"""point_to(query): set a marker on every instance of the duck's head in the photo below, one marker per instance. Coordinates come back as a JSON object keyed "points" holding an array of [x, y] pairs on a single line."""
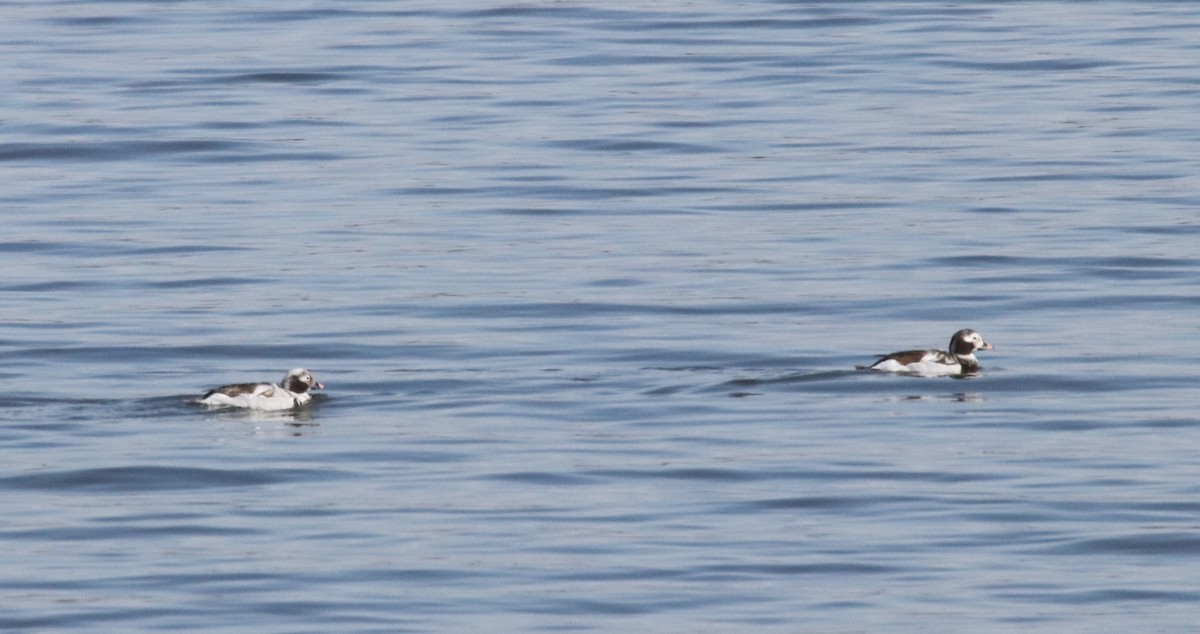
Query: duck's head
{"points": [[299, 381], [965, 342]]}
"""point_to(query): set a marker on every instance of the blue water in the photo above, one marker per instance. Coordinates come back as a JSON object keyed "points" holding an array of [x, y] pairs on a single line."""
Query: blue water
{"points": [[586, 283]]}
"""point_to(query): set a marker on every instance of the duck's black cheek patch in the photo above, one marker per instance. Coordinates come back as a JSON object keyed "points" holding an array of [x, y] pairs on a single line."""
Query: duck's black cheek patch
{"points": [[962, 346]]}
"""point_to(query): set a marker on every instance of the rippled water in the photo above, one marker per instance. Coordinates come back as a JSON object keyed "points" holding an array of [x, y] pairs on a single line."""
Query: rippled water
{"points": [[586, 283]]}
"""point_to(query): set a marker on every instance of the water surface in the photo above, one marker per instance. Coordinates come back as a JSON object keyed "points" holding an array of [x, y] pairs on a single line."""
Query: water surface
{"points": [[587, 284]]}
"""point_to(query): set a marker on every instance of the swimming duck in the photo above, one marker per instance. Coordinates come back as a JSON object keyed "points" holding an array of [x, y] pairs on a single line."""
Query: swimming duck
{"points": [[959, 359], [292, 392]]}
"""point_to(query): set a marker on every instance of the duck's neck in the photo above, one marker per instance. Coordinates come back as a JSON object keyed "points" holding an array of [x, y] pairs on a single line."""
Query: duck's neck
{"points": [[968, 362]]}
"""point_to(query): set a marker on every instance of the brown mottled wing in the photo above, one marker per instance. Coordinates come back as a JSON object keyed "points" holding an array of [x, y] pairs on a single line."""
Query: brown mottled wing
{"points": [[238, 389], [906, 357]]}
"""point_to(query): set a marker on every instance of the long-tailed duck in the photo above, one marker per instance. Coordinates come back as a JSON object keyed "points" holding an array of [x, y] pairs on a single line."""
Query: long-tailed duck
{"points": [[292, 392], [960, 359]]}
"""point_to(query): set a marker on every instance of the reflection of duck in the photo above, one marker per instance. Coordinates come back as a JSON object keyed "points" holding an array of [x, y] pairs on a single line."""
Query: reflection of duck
{"points": [[292, 392], [960, 359]]}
